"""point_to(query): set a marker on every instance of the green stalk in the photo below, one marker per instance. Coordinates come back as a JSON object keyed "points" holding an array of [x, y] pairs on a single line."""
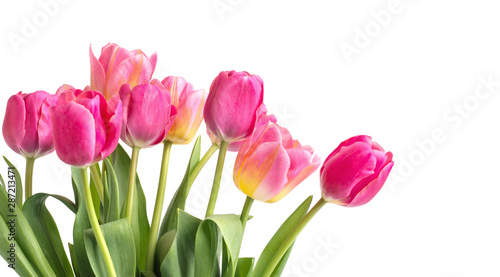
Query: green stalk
{"points": [[291, 238], [246, 211], [199, 166], [160, 195], [131, 183], [95, 225], [97, 181], [217, 178], [30, 163]]}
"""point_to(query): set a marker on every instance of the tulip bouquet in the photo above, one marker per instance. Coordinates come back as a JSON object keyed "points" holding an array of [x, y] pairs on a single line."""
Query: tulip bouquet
{"points": [[112, 235]]}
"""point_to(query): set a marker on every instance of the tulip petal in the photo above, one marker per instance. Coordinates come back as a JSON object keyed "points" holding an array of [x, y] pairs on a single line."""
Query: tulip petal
{"points": [[361, 138], [97, 74], [74, 134], [45, 140], [13, 123], [94, 103], [370, 190], [135, 70], [349, 166]]}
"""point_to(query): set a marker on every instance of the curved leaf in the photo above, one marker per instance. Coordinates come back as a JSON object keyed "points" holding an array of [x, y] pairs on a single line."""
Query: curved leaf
{"points": [[120, 241], [175, 250], [47, 234], [279, 237], [19, 183], [245, 267]]}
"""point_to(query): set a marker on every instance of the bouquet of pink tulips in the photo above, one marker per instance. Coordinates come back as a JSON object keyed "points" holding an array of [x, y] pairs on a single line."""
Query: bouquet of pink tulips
{"points": [[112, 235]]}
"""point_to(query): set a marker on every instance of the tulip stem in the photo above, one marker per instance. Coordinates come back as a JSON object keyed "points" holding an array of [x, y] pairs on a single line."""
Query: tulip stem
{"points": [[95, 225], [291, 238], [30, 163], [217, 178], [160, 195], [245, 212], [201, 164], [131, 183], [97, 181]]}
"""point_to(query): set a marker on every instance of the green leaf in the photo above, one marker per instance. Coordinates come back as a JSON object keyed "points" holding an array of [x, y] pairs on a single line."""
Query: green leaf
{"points": [[73, 259], [26, 241], [120, 241], [81, 224], [279, 237], [112, 193], [175, 249], [96, 200], [47, 234], [179, 200], [245, 267], [282, 263], [140, 224], [19, 183], [216, 233], [10, 246]]}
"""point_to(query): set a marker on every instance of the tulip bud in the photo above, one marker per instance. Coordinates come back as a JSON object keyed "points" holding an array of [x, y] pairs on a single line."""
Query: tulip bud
{"points": [[189, 104], [147, 115], [231, 109], [117, 66], [355, 172], [26, 126], [270, 164], [85, 126]]}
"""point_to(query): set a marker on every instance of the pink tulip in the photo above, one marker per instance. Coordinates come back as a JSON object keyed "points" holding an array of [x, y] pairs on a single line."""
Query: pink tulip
{"points": [[270, 164], [85, 126], [355, 172], [26, 126], [262, 119], [117, 66], [231, 110], [189, 104], [147, 115]]}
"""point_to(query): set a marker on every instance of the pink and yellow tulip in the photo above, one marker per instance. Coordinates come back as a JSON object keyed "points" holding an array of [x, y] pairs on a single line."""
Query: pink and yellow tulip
{"points": [[355, 172], [117, 66], [270, 164]]}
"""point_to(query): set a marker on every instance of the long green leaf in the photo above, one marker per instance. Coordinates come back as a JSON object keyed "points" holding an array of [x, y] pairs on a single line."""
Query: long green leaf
{"points": [[24, 235], [47, 234], [19, 183], [178, 202], [81, 224], [245, 267], [279, 237], [218, 232], [140, 224], [120, 241], [73, 259], [175, 249], [111, 192]]}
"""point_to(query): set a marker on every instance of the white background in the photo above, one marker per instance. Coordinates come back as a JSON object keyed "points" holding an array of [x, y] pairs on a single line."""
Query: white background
{"points": [[408, 78]]}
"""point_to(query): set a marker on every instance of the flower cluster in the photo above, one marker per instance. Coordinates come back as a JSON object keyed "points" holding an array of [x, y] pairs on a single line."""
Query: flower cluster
{"points": [[123, 102]]}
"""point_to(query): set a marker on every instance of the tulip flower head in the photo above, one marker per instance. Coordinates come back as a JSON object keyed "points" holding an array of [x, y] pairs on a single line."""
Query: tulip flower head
{"points": [[189, 104], [117, 66], [270, 164], [26, 126], [85, 126], [147, 115], [355, 172], [232, 105]]}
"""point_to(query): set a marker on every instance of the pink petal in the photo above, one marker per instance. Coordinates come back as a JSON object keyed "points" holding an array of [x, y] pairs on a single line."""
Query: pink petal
{"points": [[13, 123], [45, 140], [97, 74], [370, 190], [134, 71]]}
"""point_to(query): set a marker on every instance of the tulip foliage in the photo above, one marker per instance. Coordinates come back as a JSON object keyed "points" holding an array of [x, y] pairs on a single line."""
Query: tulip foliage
{"points": [[112, 235]]}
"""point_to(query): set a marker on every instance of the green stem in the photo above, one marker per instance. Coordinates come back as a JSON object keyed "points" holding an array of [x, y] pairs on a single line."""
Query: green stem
{"points": [[291, 238], [131, 183], [97, 181], [30, 163], [160, 195], [246, 211], [199, 166], [95, 225], [217, 178]]}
